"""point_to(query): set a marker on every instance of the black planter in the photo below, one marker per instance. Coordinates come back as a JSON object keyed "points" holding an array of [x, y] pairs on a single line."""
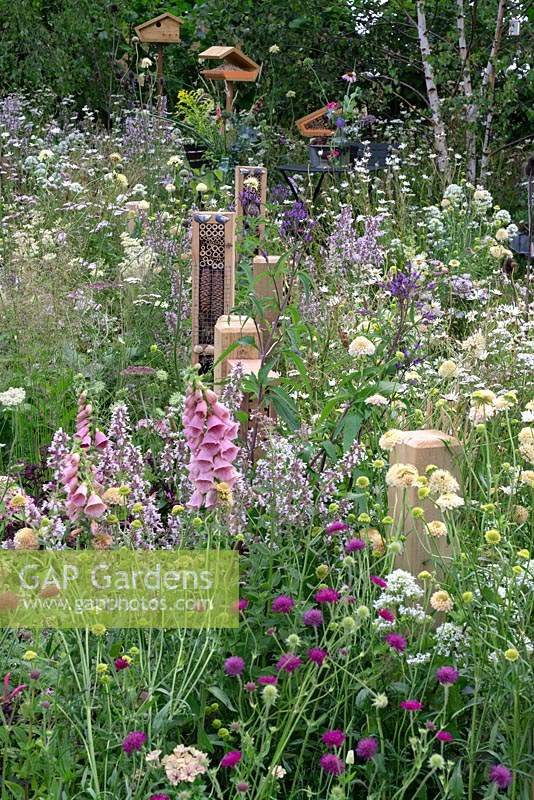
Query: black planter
{"points": [[196, 155]]}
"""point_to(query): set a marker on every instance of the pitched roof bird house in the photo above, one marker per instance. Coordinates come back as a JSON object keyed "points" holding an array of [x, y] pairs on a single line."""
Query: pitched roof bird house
{"points": [[316, 123], [235, 66], [164, 29]]}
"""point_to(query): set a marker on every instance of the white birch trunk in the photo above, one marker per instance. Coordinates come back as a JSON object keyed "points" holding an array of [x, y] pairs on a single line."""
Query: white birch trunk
{"points": [[488, 84], [440, 137], [472, 110]]}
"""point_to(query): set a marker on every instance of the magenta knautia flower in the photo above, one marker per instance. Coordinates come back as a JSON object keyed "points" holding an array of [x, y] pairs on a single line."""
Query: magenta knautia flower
{"points": [[283, 604], [336, 526], [159, 797], [444, 736], [366, 748], [313, 617], [333, 738], [386, 614], [411, 705], [230, 759], [250, 686], [133, 741], [396, 641], [326, 595], [501, 776], [242, 604], [317, 655], [234, 666], [447, 676], [332, 764], [121, 663], [288, 662], [379, 581], [268, 680], [353, 545], [209, 431]]}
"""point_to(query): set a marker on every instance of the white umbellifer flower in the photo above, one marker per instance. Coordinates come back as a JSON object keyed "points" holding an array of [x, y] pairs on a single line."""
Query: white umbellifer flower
{"points": [[449, 500], [376, 400], [503, 217], [402, 475], [274, 49], [452, 641], [45, 155], [390, 439], [482, 199], [527, 477], [174, 160], [419, 658], [502, 235], [448, 369], [13, 397], [361, 346], [143, 205]]}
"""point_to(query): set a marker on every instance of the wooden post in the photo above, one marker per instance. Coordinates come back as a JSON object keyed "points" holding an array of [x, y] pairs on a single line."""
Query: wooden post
{"points": [[228, 329], [160, 74], [258, 175], [229, 91], [421, 448], [213, 279]]}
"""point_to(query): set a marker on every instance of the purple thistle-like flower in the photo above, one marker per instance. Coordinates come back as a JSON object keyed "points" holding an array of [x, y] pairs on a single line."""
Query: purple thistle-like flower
{"points": [[336, 526], [447, 676], [159, 797], [386, 614], [332, 764], [133, 741], [396, 641], [268, 680], [288, 662], [283, 604], [317, 655], [230, 759], [313, 617], [327, 595], [367, 748], [333, 738], [378, 581], [444, 736], [501, 776], [234, 666], [354, 545], [411, 705]]}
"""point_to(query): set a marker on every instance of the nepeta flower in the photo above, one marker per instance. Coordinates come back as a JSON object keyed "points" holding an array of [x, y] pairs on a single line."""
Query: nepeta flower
{"points": [[367, 748], [332, 764], [133, 741], [234, 666], [333, 738], [283, 604], [447, 676], [326, 595]]}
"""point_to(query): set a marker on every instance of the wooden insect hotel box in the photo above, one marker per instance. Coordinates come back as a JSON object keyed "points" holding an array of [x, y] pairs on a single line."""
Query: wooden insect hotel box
{"points": [[235, 66], [213, 279], [316, 123], [164, 29]]}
